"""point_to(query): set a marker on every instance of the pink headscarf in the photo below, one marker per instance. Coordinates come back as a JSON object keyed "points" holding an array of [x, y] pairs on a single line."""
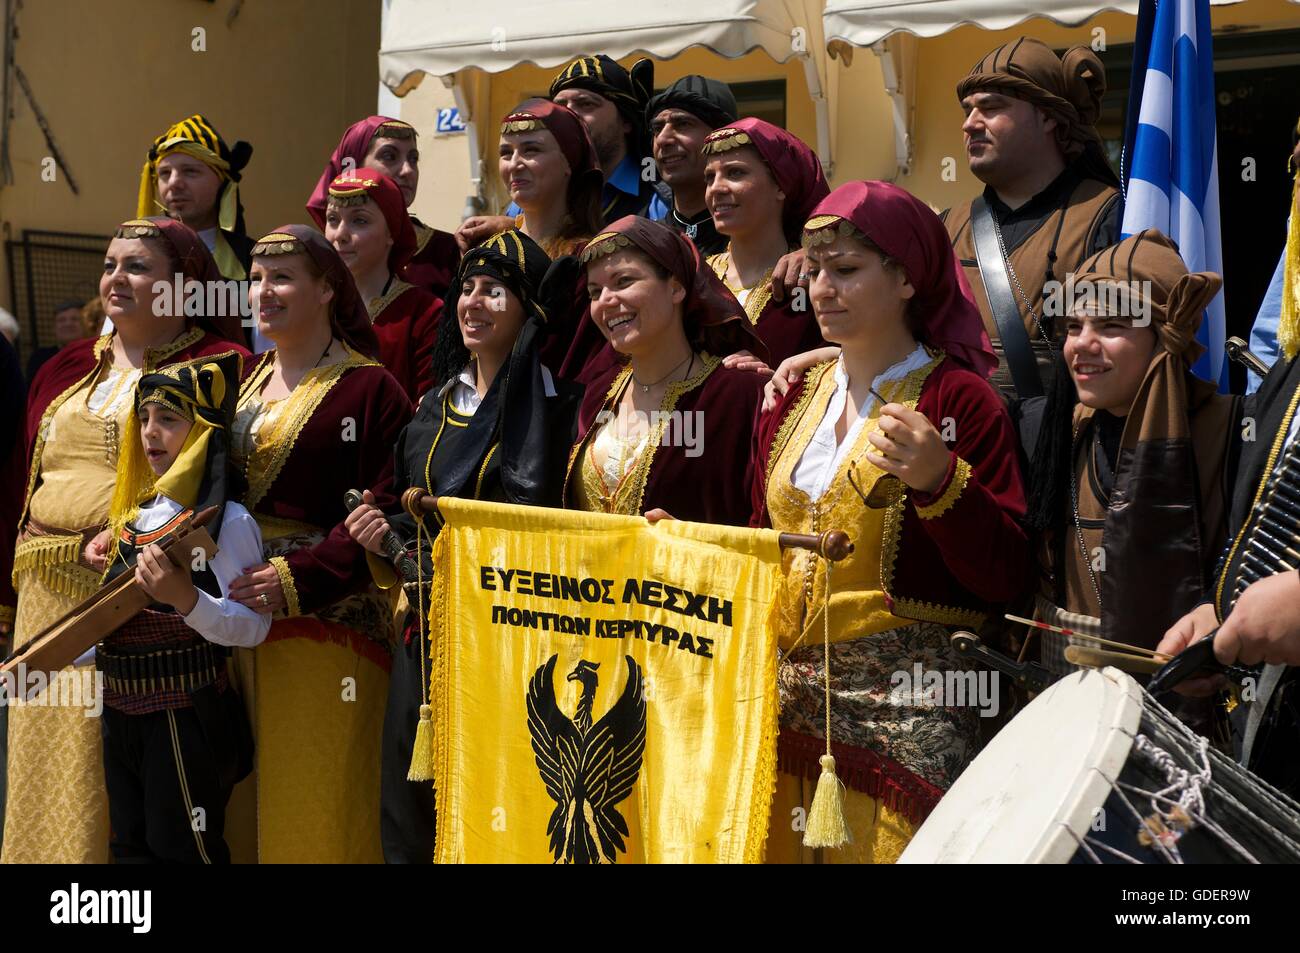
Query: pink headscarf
{"points": [[387, 197], [354, 145], [906, 230], [795, 167]]}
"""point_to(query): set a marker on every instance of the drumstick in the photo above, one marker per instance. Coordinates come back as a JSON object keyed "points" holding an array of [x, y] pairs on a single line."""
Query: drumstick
{"points": [[1134, 649], [1096, 658]]}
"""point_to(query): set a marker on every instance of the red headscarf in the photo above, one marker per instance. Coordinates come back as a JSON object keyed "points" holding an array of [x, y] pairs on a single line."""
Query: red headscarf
{"points": [[384, 192], [795, 167], [353, 146], [348, 312], [905, 229], [711, 315], [194, 262], [571, 134]]}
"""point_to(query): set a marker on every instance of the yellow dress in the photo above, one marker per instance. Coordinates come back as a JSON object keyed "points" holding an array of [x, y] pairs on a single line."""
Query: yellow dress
{"points": [[868, 642], [317, 687], [57, 808]]}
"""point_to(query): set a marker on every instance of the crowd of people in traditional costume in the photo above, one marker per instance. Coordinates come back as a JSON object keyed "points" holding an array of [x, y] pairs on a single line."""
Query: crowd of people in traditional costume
{"points": [[856, 362]]}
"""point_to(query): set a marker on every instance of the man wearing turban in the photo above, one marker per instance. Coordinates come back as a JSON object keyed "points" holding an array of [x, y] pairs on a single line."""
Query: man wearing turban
{"points": [[1050, 198]]}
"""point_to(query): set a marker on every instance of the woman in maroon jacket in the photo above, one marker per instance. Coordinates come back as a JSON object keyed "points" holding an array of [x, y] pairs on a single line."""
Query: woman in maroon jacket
{"points": [[367, 223], [389, 146], [902, 443], [57, 809], [317, 416], [666, 427]]}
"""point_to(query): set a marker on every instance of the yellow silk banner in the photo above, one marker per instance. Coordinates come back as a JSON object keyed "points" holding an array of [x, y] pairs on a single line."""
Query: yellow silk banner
{"points": [[603, 690]]}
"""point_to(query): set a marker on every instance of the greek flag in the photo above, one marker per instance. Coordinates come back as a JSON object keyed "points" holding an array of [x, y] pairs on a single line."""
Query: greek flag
{"points": [[1173, 167]]}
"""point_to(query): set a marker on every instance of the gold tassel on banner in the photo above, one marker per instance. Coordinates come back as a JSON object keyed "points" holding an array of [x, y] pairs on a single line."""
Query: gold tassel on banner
{"points": [[826, 825], [422, 751]]}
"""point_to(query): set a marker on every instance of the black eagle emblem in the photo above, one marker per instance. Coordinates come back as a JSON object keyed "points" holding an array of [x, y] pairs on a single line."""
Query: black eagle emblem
{"points": [[587, 769]]}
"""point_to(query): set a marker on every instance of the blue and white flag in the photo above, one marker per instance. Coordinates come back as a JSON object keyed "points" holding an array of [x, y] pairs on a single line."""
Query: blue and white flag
{"points": [[1173, 168]]}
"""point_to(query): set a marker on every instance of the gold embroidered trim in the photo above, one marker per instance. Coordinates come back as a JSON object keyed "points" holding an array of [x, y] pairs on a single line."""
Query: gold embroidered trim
{"points": [[54, 560], [605, 244], [893, 527], [291, 607], [152, 357], [635, 479], [759, 295], [1278, 442], [812, 380], [723, 140], [377, 305], [422, 235], [271, 450], [482, 472], [949, 498]]}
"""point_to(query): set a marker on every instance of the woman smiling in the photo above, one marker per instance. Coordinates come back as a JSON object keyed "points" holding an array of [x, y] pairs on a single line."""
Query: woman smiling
{"points": [[901, 443], [499, 429], [391, 146], [366, 221], [57, 810], [548, 164], [666, 427], [321, 676], [760, 184]]}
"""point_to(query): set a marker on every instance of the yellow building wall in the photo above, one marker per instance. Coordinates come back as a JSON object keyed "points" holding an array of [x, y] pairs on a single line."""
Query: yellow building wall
{"points": [[111, 75]]}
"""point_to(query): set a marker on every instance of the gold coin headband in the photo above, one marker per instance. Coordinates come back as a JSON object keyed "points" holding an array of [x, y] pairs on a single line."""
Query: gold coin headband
{"points": [[723, 140], [605, 244], [277, 243], [138, 228]]}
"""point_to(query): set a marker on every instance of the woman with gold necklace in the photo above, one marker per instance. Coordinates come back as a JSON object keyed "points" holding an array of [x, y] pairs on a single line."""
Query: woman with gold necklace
{"points": [[317, 684], [666, 428], [760, 184], [903, 444], [57, 810]]}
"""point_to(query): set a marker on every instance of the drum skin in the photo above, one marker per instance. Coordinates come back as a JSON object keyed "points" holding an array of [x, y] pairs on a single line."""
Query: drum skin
{"points": [[1038, 787]]}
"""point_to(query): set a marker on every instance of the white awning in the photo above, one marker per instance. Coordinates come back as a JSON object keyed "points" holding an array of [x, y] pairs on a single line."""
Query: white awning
{"points": [[441, 37], [866, 22], [451, 39]]}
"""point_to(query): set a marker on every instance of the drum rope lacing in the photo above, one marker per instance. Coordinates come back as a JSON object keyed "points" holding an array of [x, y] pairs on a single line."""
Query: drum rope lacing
{"points": [[1185, 791]]}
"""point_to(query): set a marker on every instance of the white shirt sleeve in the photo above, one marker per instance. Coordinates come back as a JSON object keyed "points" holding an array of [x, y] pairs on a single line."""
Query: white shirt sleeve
{"points": [[224, 621]]}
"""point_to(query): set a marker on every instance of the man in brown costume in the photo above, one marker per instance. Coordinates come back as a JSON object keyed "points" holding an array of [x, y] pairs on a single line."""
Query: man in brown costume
{"points": [[1050, 198], [1136, 508]]}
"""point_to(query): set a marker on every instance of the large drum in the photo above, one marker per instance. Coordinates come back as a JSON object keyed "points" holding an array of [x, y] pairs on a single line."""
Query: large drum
{"points": [[1095, 771]]}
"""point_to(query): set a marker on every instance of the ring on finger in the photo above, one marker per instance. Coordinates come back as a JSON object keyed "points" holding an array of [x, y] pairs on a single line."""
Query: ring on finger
{"points": [[264, 599]]}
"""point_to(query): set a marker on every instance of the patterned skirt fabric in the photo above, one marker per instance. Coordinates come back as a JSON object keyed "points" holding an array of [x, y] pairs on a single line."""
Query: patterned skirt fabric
{"points": [[57, 809], [884, 705]]}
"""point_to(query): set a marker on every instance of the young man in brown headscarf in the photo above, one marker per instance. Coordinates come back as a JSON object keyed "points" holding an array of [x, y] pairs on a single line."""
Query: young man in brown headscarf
{"points": [[1050, 198], [1133, 510]]}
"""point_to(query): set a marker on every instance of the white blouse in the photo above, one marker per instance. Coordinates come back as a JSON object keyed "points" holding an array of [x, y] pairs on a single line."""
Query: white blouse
{"points": [[823, 456]]}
